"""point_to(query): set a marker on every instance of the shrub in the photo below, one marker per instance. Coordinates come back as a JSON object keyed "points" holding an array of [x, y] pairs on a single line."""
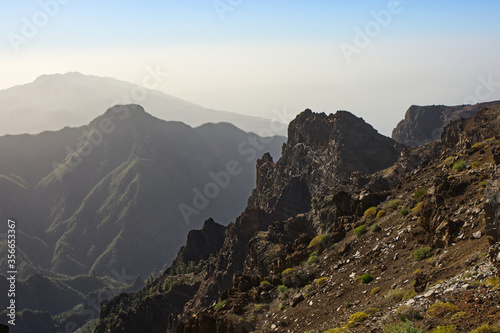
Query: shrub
{"points": [[459, 165], [282, 289], [288, 271], [419, 195], [381, 214], [356, 318], [281, 307], [402, 327], [444, 329], [440, 309], [487, 329], [394, 204], [375, 228], [366, 278], [483, 183], [219, 305], [404, 211], [313, 258], [418, 208], [318, 240], [409, 294], [448, 161], [395, 294], [370, 212], [321, 280], [491, 282], [371, 311], [476, 165], [422, 253], [478, 146], [375, 290], [361, 230], [265, 283]]}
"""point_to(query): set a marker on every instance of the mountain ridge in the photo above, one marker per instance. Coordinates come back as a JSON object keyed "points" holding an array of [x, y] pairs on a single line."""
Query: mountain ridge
{"points": [[73, 99]]}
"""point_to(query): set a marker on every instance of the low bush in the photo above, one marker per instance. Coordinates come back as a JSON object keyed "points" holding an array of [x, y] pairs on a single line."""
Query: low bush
{"points": [[476, 165], [321, 280], [361, 230], [459, 165], [478, 146], [441, 309], [381, 214], [404, 211], [318, 240], [487, 329], [418, 208], [313, 258], [265, 283], [419, 195], [371, 311], [282, 289], [375, 290], [219, 305], [356, 318], [422, 253], [395, 294], [370, 212], [288, 271], [448, 162], [366, 278], [409, 294], [444, 329], [394, 204], [402, 327]]}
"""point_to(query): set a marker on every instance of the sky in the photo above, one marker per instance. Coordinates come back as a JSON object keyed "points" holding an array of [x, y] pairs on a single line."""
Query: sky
{"points": [[373, 58]]}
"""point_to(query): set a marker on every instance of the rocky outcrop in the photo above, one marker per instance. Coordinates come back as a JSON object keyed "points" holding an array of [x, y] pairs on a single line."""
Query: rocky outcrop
{"points": [[322, 152], [423, 124], [201, 244]]}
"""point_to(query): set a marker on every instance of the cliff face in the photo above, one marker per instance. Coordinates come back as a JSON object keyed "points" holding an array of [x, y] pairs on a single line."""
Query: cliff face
{"points": [[321, 152], [423, 124], [431, 242]]}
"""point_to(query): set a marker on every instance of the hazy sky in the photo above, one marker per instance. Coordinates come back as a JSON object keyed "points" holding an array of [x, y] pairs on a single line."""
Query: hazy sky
{"points": [[255, 56]]}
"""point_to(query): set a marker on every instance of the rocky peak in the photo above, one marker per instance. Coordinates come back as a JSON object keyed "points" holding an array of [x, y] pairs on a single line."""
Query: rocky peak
{"points": [[322, 151], [201, 244]]}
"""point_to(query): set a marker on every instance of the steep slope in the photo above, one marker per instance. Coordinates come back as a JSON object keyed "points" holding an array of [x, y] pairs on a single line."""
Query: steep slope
{"points": [[424, 258], [123, 191], [319, 154], [73, 99], [423, 124]]}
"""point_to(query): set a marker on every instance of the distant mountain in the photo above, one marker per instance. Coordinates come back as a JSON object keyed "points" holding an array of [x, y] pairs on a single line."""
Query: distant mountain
{"points": [[123, 191], [54, 101], [424, 124]]}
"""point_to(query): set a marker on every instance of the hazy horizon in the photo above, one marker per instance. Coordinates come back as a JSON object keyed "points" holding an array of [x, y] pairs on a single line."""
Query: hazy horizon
{"points": [[252, 58]]}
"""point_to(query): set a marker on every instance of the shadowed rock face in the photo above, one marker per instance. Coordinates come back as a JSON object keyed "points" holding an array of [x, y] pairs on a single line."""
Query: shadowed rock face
{"points": [[202, 243], [423, 124], [321, 152]]}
